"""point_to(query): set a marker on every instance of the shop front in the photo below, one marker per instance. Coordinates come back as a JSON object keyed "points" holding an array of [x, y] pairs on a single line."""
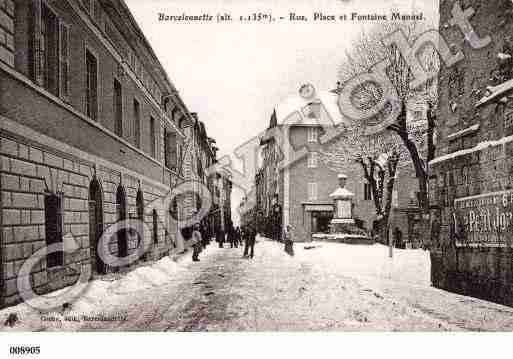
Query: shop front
{"points": [[319, 217]]}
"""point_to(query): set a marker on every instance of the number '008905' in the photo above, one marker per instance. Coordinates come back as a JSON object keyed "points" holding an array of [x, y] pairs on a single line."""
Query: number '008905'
{"points": [[25, 350]]}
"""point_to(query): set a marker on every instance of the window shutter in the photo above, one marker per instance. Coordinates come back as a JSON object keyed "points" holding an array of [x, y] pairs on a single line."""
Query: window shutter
{"points": [[64, 60], [312, 191], [52, 219], [53, 227], [36, 57], [118, 212], [97, 12], [166, 149], [87, 5]]}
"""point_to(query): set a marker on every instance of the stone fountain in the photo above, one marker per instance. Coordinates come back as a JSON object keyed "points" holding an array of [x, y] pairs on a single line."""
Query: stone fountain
{"points": [[343, 228]]}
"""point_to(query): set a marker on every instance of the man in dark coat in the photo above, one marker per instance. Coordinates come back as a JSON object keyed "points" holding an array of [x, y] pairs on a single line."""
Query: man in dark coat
{"points": [[232, 237], [220, 237], [197, 244], [204, 236], [250, 239], [238, 236], [289, 242]]}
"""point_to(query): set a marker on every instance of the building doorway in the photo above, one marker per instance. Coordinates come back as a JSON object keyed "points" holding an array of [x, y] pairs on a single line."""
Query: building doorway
{"points": [[321, 221], [139, 212], [95, 225]]}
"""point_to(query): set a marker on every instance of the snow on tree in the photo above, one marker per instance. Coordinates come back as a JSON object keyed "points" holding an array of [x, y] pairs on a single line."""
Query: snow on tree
{"points": [[379, 155], [409, 138]]}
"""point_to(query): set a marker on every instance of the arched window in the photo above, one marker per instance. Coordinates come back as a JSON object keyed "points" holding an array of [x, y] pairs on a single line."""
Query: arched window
{"points": [[155, 227], [139, 212], [121, 212], [53, 228], [139, 203], [96, 224]]}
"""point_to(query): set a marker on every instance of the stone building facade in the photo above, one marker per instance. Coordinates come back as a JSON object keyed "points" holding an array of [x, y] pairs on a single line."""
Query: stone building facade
{"points": [[302, 189], [199, 159], [471, 186], [90, 133]]}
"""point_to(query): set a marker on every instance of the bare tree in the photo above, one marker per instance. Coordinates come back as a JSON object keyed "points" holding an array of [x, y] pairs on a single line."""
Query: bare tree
{"points": [[378, 156], [367, 50]]}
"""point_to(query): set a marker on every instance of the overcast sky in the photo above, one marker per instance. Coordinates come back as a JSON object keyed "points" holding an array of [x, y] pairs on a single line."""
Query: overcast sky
{"points": [[234, 74]]}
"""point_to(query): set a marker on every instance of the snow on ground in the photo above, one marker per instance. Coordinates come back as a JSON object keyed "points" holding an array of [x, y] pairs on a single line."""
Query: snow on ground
{"points": [[100, 296], [325, 286], [406, 266]]}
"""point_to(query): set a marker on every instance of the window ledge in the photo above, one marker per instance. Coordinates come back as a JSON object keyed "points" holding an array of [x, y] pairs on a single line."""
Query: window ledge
{"points": [[20, 77], [467, 131], [495, 91], [119, 59]]}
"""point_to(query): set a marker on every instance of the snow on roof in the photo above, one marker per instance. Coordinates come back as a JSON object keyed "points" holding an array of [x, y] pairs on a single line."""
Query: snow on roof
{"points": [[288, 110], [480, 146], [495, 91], [342, 193]]}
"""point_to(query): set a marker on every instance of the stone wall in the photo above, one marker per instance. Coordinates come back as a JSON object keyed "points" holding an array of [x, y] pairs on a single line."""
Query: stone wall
{"points": [[29, 172], [471, 232], [473, 239]]}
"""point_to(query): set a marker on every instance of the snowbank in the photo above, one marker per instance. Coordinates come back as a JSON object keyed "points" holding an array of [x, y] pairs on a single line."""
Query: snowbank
{"points": [[411, 266], [100, 294]]}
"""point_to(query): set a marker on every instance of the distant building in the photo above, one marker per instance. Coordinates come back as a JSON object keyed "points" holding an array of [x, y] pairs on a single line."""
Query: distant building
{"points": [[268, 183], [248, 211], [471, 184], [198, 158]]}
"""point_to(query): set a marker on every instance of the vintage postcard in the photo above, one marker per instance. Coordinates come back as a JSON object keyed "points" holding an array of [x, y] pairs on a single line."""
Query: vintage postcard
{"points": [[255, 166]]}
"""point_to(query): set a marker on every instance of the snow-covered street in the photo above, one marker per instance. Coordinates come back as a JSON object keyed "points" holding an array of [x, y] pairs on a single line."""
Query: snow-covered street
{"points": [[325, 286]]}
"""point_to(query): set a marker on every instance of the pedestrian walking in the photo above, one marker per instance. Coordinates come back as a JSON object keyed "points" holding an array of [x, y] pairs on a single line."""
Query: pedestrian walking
{"points": [[204, 236], [398, 239], [238, 236], [287, 238], [250, 239], [232, 237], [197, 243], [220, 237], [243, 236]]}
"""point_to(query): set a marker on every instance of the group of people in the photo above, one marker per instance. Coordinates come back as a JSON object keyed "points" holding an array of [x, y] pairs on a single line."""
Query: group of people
{"points": [[243, 236], [233, 236], [236, 236]]}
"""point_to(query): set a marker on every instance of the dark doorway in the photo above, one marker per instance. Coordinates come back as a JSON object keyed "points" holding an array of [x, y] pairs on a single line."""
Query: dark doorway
{"points": [[95, 224], [139, 204], [321, 221], [122, 235]]}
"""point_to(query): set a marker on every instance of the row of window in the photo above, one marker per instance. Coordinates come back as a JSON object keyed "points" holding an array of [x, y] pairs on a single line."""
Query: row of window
{"points": [[94, 10], [54, 225], [51, 70], [313, 159]]}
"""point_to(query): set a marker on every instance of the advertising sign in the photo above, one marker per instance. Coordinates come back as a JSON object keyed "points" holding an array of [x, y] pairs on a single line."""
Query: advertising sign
{"points": [[484, 220]]}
